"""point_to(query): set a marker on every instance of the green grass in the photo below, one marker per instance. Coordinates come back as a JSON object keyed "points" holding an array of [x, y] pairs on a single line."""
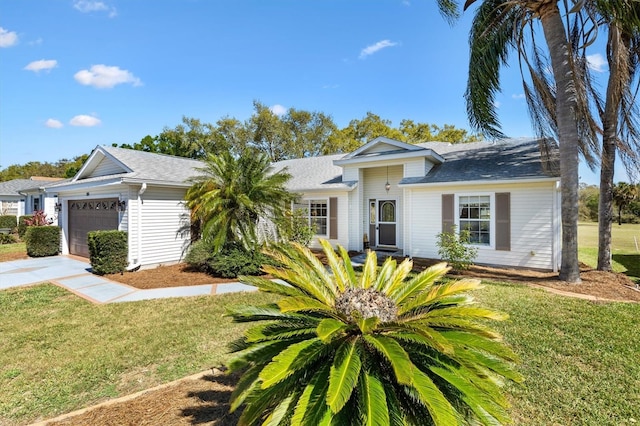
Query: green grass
{"points": [[13, 248], [624, 255], [581, 360], [59, 353]]}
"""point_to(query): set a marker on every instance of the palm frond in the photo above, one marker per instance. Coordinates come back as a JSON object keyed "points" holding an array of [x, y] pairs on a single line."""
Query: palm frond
{"points": [[373, 401], [343, 376], [293, 358]]}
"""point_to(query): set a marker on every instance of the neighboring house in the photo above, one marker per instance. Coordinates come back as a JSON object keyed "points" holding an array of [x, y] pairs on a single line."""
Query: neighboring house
{"points": [[20, 197], [397, 196]]}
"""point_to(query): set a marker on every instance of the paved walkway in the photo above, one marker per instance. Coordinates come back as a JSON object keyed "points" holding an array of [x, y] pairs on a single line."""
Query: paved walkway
{"points": [[75, 275]]}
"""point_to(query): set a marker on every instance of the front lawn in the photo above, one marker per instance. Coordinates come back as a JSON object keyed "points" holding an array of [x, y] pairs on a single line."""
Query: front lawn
{"points": [[59, 353], [624, 251]]}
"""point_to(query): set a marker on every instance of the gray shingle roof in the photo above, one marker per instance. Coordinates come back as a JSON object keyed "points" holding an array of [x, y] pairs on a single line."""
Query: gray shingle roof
{"points": [[501, 160], [314, 173], [13, 187]]}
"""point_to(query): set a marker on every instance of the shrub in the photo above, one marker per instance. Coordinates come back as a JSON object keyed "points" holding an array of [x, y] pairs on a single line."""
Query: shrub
{"points": [[8, 222], [376, 348], [199, 256], [22, 225], [295, 227], [7, 239], [42, 240], [108, 251], [39, 218], [455, 249], [234, 260]]}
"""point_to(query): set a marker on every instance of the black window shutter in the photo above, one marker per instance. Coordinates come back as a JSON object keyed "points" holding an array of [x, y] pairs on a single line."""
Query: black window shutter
{"points": [[333, 218], [503, 221]]}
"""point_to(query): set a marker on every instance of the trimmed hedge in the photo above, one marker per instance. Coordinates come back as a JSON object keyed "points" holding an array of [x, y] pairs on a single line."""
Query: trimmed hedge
{"points": [[22, 227], [42, 240], [108, 251], [8, 221], [233, 260], [7, 239]]}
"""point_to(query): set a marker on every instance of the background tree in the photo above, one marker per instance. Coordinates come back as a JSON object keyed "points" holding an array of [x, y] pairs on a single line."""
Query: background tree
{"points": [[623, 195], [232, 193]]}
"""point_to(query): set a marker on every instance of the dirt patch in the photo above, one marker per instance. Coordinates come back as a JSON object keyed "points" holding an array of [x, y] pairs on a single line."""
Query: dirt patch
{"points": [[203, 401], [6, 257], [178, 275]]}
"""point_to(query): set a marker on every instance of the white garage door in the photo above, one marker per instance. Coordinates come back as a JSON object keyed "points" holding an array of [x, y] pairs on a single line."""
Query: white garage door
{"points": [[90, 215]]}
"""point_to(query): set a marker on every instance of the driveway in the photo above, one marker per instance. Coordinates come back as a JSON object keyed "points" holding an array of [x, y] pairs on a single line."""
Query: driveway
{"points": [[75, 276]]}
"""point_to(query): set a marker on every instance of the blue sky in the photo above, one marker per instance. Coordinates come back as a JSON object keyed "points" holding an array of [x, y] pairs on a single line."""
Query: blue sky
{"points": [[79, 73]]}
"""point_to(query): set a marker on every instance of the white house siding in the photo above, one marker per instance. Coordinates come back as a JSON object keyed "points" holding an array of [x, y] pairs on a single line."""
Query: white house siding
{"points": [[112, 191], [373, 184], [106, 167], [343, 217], [532, 223], [165, 226], [415, 167]]}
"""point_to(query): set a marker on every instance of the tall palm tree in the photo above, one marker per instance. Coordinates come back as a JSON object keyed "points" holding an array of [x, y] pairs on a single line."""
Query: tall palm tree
{"points": [[232, 193], [500, 26], [620, 128]]}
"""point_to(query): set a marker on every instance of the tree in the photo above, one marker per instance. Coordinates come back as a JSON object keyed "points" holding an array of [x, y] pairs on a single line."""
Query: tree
{"points": [[307, 133], [623, 194], [620, 128], [376, 348], [498, 27], [232, 193], [359, 132]]}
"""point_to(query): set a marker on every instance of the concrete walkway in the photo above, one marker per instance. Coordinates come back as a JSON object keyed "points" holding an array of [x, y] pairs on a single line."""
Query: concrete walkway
{"points": [[75, 275]]}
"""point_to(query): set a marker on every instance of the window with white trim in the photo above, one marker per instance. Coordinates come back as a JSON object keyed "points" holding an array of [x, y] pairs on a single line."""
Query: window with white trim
{"points": [[474, 215], [317, 212]]}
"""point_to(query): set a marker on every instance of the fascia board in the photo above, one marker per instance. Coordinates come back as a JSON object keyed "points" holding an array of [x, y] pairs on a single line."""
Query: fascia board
{"points": [[427, 153], [478, 182]]}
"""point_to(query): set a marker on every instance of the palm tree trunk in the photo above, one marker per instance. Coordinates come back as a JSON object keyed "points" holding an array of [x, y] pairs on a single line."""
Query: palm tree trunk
{"points": [[568, 137], [615, 86]]}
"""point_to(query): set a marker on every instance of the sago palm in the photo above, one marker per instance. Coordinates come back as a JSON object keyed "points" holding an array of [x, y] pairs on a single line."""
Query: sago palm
{"points": [[232, 193], [376, 348]]}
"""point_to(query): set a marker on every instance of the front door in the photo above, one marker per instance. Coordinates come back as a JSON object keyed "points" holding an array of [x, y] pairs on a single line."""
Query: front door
{"points": [[387, 218]]}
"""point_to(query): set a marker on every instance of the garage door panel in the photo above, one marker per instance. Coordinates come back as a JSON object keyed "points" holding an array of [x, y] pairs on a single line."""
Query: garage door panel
{"points": [[90, 215]]}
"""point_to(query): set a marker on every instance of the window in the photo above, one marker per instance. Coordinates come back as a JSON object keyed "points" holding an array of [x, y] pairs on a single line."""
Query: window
{"points": [[474, 215], [317, 211]]}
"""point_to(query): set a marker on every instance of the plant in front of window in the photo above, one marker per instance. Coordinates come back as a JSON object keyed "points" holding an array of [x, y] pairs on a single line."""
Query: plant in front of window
{"points": [[381, 347], [295, 227], [454, 248]]}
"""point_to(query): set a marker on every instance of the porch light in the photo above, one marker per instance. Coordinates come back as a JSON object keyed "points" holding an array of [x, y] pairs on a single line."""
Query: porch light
{"points": [[387, 186], [122, 205], [58, 207]]}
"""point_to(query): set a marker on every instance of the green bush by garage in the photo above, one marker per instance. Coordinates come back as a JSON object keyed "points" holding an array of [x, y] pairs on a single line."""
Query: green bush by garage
{"points": [[108, 251], [42, 241], [8, 222]]}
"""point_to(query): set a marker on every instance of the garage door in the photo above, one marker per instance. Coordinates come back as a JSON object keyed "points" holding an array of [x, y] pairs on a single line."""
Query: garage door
{"points": [[90, 215]]}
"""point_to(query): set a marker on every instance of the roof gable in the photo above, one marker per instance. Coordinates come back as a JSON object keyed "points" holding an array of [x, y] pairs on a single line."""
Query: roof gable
{"points": [[382, 145], [101, 163]]}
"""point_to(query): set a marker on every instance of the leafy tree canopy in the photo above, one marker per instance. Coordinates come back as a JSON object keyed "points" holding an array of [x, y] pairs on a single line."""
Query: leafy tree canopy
{"points": [[64, 168]]}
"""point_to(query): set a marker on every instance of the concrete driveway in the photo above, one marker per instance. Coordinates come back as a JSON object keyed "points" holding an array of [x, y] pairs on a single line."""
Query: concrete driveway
{"points": [[74, 275], [36, 270]]}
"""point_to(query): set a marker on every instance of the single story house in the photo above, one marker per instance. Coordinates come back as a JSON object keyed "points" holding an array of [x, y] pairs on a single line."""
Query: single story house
{"points": [[19, 197], [392, 195]]}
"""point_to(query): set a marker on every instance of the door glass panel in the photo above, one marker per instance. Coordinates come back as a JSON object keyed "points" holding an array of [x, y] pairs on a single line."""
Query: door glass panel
{"points": [[372, 212], [387, 211]]}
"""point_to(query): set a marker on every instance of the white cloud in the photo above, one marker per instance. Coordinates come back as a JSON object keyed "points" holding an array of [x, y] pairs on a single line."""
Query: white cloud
{"points": [[36, 42], [597, 62], [518, 96], [370, 50], [42, 65], [278, 110], [105, 77], [8, 38], [53, 123], [84, 121], [88, 6]]}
